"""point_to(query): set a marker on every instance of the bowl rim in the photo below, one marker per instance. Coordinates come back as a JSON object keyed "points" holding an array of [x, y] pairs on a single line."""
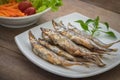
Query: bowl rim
{"points": [[26, 16]]}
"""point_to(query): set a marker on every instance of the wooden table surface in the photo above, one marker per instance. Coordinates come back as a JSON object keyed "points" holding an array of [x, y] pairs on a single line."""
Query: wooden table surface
{"points": [[15, 66], [113, 5]]}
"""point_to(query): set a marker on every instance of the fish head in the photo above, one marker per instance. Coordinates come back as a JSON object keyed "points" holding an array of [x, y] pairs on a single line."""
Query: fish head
{"points": [[46, 31], [58, 26], [32, 38]]}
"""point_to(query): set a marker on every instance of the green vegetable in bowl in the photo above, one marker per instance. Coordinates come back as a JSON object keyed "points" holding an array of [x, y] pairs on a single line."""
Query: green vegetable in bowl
{"points": [[41, 5], [3, 1]]}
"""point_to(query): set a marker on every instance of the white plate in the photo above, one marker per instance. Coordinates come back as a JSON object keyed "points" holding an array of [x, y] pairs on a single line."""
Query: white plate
{"points": [[75, 71]]}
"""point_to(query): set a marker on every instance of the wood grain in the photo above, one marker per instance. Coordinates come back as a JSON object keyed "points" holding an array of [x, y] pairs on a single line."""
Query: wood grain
{"points": [[112, 5], [15, 66]]}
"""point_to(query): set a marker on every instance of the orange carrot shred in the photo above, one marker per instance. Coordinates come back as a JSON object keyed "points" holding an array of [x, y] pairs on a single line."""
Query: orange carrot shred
{"points": [[11, 10]]}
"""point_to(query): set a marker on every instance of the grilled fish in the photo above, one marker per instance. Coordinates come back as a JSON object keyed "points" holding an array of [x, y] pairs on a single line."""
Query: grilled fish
{"points": [[80, 39], [56, 50], [71, 47], [95, 40], [78, 59], [49, 55]]}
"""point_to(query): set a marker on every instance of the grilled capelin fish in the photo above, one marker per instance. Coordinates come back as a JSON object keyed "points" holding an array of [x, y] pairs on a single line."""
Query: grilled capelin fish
{"points": [[79, 39], [71, 47], [81, 59], [56, 50], [95, 40], [71, 36], [62, 41], [49, 55]]}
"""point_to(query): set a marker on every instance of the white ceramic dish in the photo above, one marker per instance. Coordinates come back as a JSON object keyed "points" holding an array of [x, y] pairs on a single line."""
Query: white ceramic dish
{"points": [[19, 22], [75, 71]]}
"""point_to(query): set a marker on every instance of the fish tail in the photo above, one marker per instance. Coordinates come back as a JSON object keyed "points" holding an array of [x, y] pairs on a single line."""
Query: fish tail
{"points": [[110, 44], [69, 63], [112, 50]]}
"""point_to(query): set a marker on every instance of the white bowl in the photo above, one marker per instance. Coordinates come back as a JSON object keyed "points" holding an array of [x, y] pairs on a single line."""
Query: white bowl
{"points": [[19, 22]]}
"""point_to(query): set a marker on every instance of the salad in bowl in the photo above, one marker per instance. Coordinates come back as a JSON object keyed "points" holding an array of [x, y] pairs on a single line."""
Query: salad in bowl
{"points": [[22, 13]]}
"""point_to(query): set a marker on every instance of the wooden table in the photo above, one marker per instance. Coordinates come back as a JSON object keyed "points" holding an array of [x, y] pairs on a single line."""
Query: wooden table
{"points": [[15, 66], [113, 5]]}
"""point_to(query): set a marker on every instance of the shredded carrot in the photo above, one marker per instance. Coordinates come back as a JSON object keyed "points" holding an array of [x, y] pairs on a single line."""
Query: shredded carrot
{"points": [[14, 6], [9, 4], [2, 14], [10, 10]]}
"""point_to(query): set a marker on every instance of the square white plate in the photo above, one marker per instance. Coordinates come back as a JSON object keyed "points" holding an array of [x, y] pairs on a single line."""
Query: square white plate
{"points": [[111, 61]]}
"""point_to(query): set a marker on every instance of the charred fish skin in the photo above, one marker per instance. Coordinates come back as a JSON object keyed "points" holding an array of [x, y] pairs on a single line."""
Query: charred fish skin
{"points": [[56, 50], [49, 55]]}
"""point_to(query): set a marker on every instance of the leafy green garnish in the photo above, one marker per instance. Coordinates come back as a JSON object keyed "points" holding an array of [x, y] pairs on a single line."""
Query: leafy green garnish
{"points": [[42, 8], [37, 3], [83, 25], [41, 5], [106, 24], [110, 33], [89, 21], [92, 26], [96, 22], [3, 1]]}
